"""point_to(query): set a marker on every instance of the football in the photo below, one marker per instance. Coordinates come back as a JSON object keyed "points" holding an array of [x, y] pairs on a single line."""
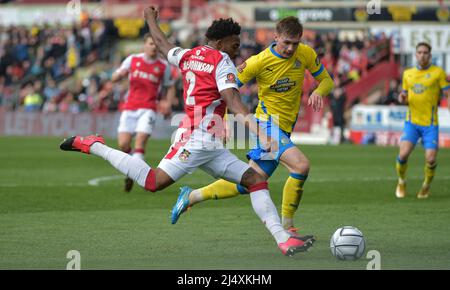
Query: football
{"points": [[347, 243]]}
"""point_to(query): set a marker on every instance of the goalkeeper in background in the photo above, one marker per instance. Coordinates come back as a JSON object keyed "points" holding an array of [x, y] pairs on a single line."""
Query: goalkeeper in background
{"points": [[422, 86], [279, 71]]}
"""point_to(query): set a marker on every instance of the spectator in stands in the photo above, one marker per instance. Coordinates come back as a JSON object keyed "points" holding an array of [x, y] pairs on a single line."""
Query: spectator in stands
{"points": [[337, 106], [69, 104], [392, 96], [50, 106], [32, 101], [51, 90]]}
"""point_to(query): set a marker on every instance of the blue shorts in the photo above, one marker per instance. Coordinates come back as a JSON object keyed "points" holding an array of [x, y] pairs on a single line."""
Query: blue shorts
{"points": [[269, 161], [429, 135]]}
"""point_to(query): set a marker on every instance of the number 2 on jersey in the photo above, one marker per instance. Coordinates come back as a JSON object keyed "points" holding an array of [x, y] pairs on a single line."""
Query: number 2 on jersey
{"points": [[190, 78]]}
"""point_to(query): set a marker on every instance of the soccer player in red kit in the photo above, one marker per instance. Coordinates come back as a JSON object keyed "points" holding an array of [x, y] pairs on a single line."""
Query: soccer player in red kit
{"points": [[210, 85], [147, 75]]}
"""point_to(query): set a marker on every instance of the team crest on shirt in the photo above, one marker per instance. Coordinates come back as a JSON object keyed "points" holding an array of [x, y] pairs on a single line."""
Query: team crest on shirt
{"points": [[156, 69], [231, 78], [297, 64], [428, 75], [184, 155], [138, 64]]}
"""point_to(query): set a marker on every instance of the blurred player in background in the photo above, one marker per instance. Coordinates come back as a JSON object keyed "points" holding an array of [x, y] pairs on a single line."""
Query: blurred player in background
{"points": [[210, 85], [147, 74], [422, 86], [279, 71]]}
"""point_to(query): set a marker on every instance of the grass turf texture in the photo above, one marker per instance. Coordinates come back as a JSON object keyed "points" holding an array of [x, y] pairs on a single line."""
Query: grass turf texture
{"points": [[47, 208]]}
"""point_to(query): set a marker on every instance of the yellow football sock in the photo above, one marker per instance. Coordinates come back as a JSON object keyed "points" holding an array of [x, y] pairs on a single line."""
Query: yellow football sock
{"points": [[292, 194], [219, 190], [401, 167], [429, 173]]}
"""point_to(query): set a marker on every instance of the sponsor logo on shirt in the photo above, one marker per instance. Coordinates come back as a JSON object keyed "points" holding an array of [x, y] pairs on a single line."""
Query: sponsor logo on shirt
{"points": [[145, 75], [241, 67], [177, 51], [283, 85], [418, 88]]}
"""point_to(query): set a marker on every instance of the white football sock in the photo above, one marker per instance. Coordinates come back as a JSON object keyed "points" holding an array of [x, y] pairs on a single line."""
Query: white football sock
{"points": [[132, 167], [138, 155], [267, 212]]}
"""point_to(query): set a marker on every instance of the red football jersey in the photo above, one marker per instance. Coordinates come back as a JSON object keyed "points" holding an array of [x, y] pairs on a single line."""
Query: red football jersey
{"points": [[146, 77], [205, 72]]}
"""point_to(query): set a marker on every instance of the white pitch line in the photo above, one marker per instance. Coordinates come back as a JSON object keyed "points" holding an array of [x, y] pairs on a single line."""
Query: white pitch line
{"points": [[43, 184], [96, 181]]}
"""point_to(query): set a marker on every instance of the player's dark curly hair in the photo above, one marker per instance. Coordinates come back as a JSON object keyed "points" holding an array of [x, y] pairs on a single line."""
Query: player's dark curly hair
{"points": [[222, 28]]}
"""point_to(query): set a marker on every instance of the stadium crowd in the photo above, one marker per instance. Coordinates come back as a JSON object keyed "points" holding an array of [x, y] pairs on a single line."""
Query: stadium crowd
{"points": [[68, 69]]}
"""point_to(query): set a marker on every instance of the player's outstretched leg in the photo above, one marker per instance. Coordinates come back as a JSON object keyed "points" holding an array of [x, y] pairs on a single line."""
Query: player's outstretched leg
{"points": [[182, 203], [295, 245], [133, 168], [80, 144]]}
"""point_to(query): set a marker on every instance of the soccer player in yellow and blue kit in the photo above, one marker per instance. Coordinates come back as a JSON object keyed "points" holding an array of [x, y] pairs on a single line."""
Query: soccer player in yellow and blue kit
{"points": [[422, 86], [279, 71]]}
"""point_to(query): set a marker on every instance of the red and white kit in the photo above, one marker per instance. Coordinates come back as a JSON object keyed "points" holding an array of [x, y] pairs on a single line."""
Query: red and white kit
{"points": [[146, 77], [198, 142]]}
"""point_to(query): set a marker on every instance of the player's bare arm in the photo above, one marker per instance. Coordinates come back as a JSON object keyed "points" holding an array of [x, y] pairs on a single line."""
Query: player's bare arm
{"points": [[151, 16], [169, 100], [119, 75], [326, 84], [171, 95], [243, 115]]}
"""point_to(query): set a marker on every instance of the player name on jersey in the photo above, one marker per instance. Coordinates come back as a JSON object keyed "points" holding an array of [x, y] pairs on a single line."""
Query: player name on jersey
{"points": [[198, 66]]}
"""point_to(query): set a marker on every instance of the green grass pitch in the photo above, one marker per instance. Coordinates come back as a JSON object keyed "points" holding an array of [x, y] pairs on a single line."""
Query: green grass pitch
{"points": [[48, 208]]}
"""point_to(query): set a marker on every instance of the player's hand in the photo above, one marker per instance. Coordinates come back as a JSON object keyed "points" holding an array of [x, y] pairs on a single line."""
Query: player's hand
{"points": [[316, 101], [165, 108], [228, 131], [270, 145], [403, 98], [150, 13]]}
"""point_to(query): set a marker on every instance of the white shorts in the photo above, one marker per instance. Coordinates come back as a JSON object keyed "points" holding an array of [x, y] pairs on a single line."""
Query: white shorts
{"points": [[219, 163], [141, 120]]}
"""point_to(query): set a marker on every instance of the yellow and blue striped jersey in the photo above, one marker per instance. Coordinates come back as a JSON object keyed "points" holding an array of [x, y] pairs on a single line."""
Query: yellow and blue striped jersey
{"points": [[280, 82], [424, 90]]}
